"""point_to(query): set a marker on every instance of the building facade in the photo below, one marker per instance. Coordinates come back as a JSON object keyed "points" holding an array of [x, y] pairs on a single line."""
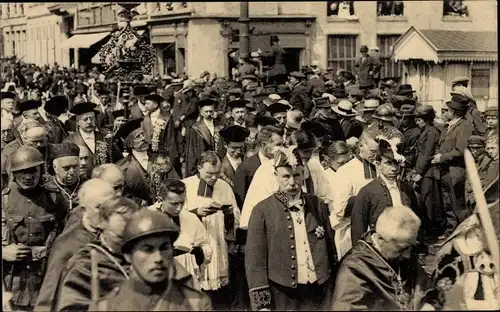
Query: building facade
{"points": [[190, 37]]}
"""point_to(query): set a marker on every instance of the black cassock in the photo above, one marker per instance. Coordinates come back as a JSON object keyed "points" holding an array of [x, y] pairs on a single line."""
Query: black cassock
{"points": [[200, 140]]}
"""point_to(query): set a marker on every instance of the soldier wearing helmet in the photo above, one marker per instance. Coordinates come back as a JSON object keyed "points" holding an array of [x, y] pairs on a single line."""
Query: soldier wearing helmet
{"points": [[29, 226], [384, 116], [157, 282]]}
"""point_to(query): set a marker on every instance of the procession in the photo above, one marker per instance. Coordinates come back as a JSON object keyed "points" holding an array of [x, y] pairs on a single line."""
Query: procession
{"points": [[268, 188]]}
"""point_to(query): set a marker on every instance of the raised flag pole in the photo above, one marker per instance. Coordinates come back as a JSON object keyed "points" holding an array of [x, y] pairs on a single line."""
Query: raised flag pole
{"points": [[482, 208]]}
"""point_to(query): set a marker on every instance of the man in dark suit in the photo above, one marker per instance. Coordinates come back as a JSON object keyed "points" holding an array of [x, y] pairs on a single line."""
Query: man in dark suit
{"points": [[301, 97], [324, 116], [202, 136], [291, 243], [55, 128], [411, 134], [277, 73], [385, 191], [160, 132], [450, 157], [103, 149], [366, 68], [426, 176]]}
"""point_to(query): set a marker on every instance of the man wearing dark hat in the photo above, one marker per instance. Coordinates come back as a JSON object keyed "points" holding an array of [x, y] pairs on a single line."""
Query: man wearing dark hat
{"points": [[325, 117], [426, 176], [403, 94], [55, 107], [66, 182], [105, 109], [234, 138], [160, 132], [291, 244], [202, 136], [491, 113], [366, 68], [238, 111], [29, 110], [278, 111], [277, 73], [301, 96], [450, 158], [30, 223], [102, 149], [345, 114], [185, 106], [410, 132], [136, 107], [157, 281]]}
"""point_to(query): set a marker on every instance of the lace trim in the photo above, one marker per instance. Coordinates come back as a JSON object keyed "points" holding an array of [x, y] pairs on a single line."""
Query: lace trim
{"points": [[214, 284]]}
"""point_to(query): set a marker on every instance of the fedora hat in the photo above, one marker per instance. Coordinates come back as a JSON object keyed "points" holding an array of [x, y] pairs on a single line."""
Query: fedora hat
{"points": [[404, 89], [458, 102], [344, 108]]}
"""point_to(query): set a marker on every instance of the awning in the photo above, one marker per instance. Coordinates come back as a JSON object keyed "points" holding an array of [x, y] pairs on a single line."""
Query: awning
{"points": [[96, 58], [83, 40], [446, 45]]}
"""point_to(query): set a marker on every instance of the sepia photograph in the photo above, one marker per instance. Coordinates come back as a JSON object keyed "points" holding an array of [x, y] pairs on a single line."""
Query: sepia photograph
{"points": [[250, 156]]}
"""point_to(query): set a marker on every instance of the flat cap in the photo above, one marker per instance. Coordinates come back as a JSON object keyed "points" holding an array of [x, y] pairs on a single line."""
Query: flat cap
{"points": [[234, 133], [65, 149], [476, 140], [82, 108], [491, 111], [460, 79]]}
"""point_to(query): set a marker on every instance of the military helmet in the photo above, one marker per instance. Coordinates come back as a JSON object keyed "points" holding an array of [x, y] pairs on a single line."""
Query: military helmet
{"points": [[147, 223], [24, 158], [384, 112]]}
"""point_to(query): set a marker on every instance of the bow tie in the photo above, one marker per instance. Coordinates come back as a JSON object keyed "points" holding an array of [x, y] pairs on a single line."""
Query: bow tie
{"points": [[295, 205]]}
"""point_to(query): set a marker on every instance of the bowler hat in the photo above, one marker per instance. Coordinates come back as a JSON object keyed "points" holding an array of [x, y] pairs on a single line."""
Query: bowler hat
{"points": [[404, 89], [458, 102]]}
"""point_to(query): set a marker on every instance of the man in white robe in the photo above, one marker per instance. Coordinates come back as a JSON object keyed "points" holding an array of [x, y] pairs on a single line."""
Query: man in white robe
{"points": [[212, 200], [192, 248]]}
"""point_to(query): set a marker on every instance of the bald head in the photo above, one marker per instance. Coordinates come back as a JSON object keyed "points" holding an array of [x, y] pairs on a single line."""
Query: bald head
{"points": [[112, 174], [35, 137], [92, 195]]}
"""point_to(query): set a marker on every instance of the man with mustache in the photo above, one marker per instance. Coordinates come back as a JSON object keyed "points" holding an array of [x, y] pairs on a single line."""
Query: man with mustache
{"points": [[30, 223], [290, 241], [157, 281]]}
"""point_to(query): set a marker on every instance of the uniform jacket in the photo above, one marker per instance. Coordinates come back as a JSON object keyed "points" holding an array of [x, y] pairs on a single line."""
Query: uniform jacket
{"points": [[372, 200], [104, 152], [271, 244], [74, 287], [243, 177], [301, 98], [366, 282], [29, 218], [363, 69], [427, 146], [65, 246], [135, 295]]}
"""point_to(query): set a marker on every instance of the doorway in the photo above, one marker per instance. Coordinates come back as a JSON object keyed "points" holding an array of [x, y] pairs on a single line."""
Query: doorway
{"points": [[292, 59]]}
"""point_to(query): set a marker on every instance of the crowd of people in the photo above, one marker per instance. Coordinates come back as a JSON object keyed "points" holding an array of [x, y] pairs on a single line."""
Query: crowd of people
{"points": [[315, 189]]}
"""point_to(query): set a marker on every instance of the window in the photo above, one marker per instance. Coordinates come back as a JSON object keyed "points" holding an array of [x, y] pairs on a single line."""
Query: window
{"points": [[390, 8], [342, 51], [389, 67], [343, 9], [455, 8], [480, 82]]}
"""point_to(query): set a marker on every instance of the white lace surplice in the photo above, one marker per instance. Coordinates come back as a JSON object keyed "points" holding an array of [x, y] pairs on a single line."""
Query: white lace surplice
{"points": [[216, 274]]}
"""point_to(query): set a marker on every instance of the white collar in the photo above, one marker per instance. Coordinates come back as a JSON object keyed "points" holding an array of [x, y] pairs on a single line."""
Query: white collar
{"points": [[140, 155], [389, 184], [263, 158], [86, 135], [454, 122]]}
